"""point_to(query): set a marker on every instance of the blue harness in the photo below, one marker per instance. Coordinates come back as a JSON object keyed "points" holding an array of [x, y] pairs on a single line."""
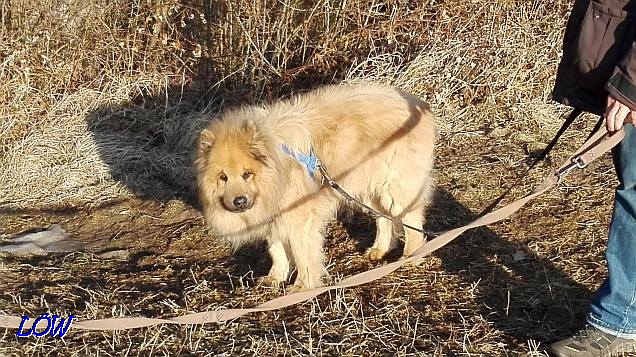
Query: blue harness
{"points": [[310, 162]]}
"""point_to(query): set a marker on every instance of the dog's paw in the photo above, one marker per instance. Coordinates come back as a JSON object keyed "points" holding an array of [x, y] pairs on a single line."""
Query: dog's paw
{"points": [[375, 254], [294, 289], [269, 282], [297, 287]]}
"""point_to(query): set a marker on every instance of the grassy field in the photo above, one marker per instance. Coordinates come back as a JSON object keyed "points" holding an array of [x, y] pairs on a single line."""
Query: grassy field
{"points": [[100, 102]]}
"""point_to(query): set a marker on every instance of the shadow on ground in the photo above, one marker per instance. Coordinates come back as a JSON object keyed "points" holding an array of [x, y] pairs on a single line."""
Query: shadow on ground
{"points": [[527, 298], [521, 294], [147, 144]]}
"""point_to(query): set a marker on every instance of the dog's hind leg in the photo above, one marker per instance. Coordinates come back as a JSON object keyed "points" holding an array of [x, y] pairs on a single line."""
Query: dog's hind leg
{"points": [[413, 240], [409, 208], [411, 212], [384, 239]]}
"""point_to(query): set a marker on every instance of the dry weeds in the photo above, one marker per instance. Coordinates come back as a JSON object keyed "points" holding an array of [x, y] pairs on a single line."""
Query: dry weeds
{"points": [[101, 102]]}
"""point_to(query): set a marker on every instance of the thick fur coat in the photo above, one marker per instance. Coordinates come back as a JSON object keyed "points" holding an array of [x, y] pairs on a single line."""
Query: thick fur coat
{"points": [[376, 141]]}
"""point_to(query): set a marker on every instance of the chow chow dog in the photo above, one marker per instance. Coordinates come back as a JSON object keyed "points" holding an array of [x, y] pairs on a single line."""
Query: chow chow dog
{"points": [[256, 173]]}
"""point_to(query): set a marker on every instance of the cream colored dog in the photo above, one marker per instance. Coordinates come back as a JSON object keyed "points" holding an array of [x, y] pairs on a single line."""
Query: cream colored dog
{"points": [[257, 180]]}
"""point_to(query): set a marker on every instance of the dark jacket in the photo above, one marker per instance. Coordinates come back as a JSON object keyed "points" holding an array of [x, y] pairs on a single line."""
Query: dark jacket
{"points": [[599, 55]]}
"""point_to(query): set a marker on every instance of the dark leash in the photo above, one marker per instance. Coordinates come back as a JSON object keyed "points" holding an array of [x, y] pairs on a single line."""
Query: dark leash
{"points": [[542, 156], [369, 210], [566, 124]]}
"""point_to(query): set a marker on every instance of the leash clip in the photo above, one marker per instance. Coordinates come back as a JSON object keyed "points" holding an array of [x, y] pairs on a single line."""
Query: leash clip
{"points": [[577, 163], [324, 176]]}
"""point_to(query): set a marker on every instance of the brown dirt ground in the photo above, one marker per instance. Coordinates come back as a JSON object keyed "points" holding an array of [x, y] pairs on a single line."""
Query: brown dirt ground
{"points": [[85, 86], [496, 291]]}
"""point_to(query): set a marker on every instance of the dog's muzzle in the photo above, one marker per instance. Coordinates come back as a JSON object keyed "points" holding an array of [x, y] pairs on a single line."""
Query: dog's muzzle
{"points": [[238, 204]]}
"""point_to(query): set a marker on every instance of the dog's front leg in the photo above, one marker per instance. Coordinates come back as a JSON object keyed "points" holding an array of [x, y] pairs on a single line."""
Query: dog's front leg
{"points": [[307, 251], [279, 272]]}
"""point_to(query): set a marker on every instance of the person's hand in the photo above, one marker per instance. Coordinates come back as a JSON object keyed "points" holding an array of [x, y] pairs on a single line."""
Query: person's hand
{"points": [[617, 114]]}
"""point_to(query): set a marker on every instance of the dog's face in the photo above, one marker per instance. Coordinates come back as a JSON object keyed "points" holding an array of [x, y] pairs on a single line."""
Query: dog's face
{"points": [[234, 174], [232, 166]]}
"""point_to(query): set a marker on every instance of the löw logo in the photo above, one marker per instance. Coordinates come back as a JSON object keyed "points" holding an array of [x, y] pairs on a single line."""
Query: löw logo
{"points": [[45, 325]]}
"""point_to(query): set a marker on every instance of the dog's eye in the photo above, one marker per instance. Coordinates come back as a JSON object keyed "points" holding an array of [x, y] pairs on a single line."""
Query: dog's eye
{"points": [[247, 174], [223, 177]]}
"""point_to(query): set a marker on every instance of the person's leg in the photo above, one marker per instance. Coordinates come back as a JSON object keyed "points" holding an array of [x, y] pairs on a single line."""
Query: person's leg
{"points": [[613, 306], [611, 327]]}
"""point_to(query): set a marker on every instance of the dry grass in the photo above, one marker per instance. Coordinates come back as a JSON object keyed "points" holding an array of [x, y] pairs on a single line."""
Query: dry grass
{"points": [[101, 102], [127, 79]]}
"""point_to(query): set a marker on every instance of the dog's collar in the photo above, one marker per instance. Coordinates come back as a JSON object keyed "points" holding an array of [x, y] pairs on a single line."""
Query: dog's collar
{"points": [[309, 161]]}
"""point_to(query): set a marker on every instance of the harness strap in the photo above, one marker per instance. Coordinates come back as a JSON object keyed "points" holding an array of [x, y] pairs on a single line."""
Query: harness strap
{"points": [[309, 161]]}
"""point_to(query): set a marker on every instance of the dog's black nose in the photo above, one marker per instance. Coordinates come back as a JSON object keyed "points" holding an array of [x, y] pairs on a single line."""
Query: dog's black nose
{"points": [[240, 202]]}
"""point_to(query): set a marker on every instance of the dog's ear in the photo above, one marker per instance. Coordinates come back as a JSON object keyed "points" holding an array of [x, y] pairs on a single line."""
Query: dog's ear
{"points": [[204, 144], [257, 141], [206, 141], [251, 131]]}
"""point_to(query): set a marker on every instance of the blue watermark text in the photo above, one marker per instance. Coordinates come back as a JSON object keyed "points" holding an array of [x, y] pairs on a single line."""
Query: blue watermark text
{"points": [[46, 324]]}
